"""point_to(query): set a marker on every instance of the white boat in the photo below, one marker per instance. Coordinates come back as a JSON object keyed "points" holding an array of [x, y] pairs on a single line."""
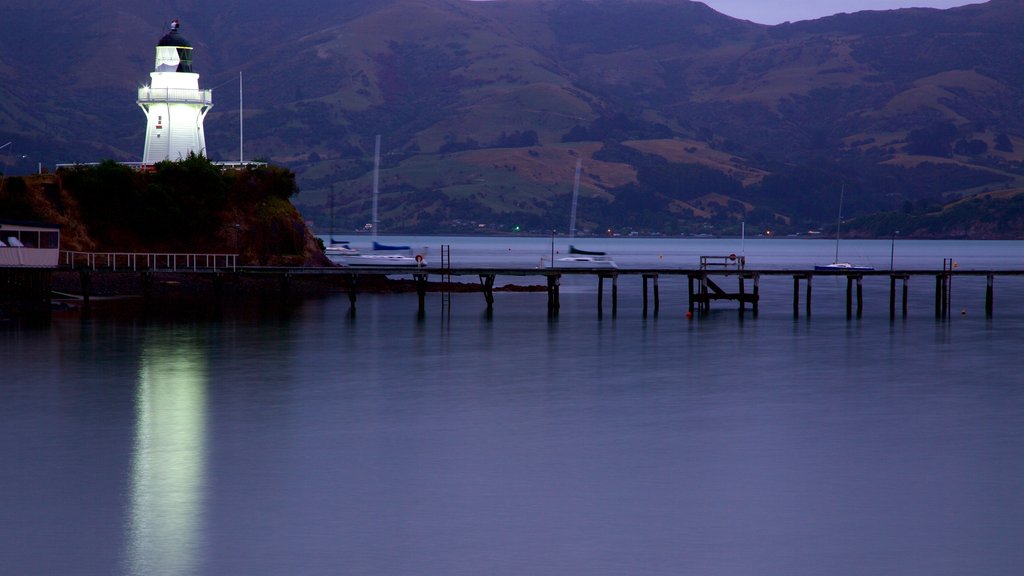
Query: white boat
{"points": [[379, 260], [340, 249], [577, 257], [377, 254], [836, 265], [841, 267], [585, 259]]}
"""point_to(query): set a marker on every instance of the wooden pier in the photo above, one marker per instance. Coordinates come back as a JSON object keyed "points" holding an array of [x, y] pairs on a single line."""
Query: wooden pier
{"points": [[709, 284]]}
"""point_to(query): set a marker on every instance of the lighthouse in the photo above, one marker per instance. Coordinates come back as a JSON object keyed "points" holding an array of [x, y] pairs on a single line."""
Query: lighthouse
{"points": [[173, 103]]}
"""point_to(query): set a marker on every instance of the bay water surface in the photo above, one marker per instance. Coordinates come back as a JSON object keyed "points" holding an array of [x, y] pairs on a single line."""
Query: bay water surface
{"points": [[305, 439]]}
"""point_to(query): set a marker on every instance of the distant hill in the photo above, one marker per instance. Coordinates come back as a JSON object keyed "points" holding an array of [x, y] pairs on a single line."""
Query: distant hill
{"points": [[688, 121]]}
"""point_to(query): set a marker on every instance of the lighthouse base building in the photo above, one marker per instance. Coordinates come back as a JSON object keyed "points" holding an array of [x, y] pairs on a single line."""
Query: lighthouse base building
{"points": [[174, 105]]}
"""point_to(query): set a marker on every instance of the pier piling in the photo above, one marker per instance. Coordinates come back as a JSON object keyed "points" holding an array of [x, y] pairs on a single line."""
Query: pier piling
{"points": [[421, 291], [796, 294], [851, 280], [487, 284], [657, 302], [989, 294], [554, 280], [892, 294]]}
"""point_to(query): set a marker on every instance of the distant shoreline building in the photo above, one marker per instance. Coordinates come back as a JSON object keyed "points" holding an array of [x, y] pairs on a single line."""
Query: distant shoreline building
{"points": [[173, 103]]}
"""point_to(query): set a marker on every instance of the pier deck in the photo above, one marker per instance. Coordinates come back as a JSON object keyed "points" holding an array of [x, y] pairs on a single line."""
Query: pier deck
{"points": [[707, 283]]}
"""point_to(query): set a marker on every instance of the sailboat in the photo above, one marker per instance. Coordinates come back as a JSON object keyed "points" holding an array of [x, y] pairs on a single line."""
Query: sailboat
{"points": [[378, 254], [579, 258], [837, 265]]}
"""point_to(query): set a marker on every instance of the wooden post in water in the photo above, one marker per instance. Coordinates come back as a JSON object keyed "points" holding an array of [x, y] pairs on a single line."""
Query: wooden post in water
{"points": [[796, 295], [743, 295], [810, 277], [906, 279], [657, 304], [553, 304], [615, 294], [849, 297], [657, 301], [705, 302], [860, 295], [757, 293], [487, 281], [690, 307], [645, 295], [421, 291], [352, 290], [600, 295], [892, 296], [85, 278], [989, 294]]}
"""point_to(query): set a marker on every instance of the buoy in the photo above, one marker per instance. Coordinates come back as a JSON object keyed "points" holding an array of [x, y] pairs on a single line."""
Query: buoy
{"points": [[419, 258], [689, 315]]}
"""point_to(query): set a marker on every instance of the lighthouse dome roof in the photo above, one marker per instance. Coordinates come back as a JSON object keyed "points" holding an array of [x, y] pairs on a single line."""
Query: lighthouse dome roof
{"points": [[173, 37]]}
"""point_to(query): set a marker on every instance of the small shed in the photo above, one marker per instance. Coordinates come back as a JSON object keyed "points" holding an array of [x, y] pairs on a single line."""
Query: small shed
{"points": [[29, 244]]}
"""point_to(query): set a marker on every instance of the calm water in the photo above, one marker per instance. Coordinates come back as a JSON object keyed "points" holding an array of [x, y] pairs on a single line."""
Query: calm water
{"points": [[308, 441]]}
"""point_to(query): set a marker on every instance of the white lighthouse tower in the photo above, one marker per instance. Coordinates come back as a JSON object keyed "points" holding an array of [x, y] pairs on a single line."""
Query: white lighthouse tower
{"points": [[173, 103]]}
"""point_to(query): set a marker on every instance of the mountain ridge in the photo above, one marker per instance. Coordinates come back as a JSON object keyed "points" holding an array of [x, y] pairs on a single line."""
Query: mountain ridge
{"points": [[484, 107]]}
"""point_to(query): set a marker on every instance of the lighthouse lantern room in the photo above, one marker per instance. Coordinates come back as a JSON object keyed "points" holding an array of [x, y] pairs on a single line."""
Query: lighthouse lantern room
{"points": [[173, 103]]}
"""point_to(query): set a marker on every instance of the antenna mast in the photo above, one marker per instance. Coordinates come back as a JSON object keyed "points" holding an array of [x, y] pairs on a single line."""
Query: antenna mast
{"points": [[240, 112]]}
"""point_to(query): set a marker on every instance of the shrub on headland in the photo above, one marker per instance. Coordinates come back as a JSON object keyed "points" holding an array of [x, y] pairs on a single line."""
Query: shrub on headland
{"points": [[187, 206]]}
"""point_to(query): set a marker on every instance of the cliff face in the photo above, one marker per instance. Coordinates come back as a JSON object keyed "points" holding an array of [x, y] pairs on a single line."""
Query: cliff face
{"points": [[181, 207]]}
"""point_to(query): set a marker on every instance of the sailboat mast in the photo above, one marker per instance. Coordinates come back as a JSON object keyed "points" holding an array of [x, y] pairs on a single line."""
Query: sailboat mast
{"points": [[575, 198], [839, 220], [376, 180]]}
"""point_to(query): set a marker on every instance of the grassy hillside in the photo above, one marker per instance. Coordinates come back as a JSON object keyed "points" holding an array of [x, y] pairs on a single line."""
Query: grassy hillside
{"points": [[687, 120]]}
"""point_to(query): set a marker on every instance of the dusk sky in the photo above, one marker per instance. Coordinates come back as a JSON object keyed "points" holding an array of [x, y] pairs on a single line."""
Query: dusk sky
{"points": [[764, 12]]}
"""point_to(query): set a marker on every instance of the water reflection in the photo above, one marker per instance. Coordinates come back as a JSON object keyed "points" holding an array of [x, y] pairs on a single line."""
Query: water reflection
{"points": [[168, 462]]}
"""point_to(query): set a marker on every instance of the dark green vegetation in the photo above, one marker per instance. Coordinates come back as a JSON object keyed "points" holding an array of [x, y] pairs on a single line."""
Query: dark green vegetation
{"points": [[190, 206], [687, 121]]}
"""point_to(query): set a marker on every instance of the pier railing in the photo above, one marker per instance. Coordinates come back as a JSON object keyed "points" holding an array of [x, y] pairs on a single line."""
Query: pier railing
{"points": [[135, 261], [731, 261]]}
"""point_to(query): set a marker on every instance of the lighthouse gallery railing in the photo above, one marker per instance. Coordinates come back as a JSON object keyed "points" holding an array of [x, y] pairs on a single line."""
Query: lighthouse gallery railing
{"points": [[187, 95]]}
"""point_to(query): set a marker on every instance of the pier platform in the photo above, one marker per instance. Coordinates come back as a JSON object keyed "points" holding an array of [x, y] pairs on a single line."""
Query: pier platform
{"points": [[716, 281]]}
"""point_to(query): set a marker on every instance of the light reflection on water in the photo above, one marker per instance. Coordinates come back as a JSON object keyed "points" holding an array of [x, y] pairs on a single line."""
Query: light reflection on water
{"points": [[315, 442], [168, 460]]}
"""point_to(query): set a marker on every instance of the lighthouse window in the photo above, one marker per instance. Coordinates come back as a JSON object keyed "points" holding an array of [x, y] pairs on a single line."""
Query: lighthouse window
{"points": [[184, 59]]}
